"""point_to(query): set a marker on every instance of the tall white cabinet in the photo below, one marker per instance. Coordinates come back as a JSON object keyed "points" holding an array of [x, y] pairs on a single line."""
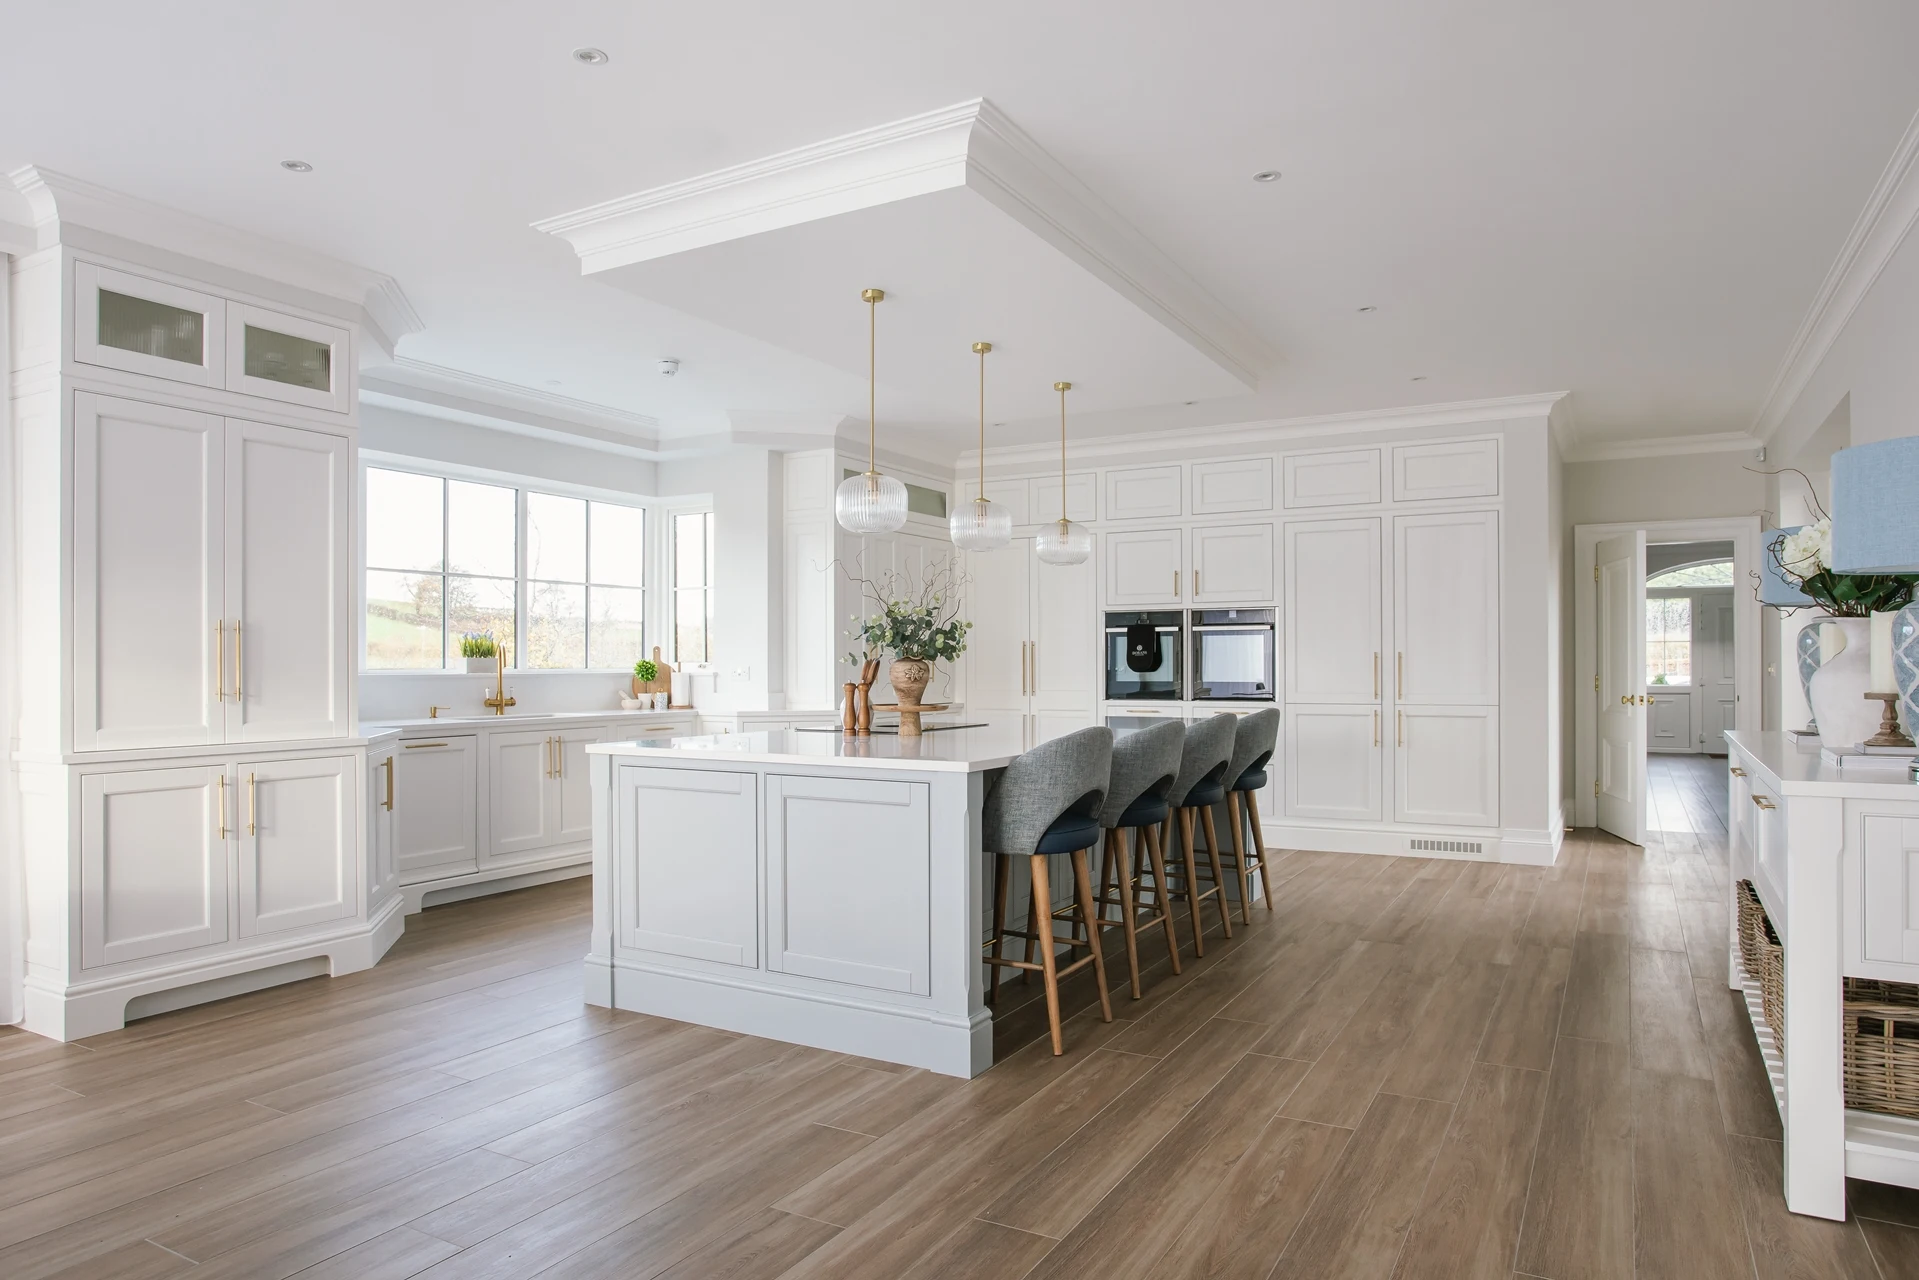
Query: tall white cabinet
{"points": [[195, 798], [1033, 651]]}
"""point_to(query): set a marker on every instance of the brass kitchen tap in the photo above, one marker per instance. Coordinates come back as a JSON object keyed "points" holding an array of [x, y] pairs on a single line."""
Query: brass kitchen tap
{"points": [[499, 701]]}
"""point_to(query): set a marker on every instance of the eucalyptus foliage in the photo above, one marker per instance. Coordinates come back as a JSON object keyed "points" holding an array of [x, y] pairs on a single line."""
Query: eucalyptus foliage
{"points": [[914, 619]]}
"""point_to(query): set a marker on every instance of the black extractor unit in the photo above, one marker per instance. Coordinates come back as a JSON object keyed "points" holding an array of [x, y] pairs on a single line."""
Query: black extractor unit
{"points": [[1144, 656]]}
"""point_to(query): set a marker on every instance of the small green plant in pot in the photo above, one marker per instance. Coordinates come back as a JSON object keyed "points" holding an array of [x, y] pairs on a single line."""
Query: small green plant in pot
{"points": [[480, 652], [645, 672]]}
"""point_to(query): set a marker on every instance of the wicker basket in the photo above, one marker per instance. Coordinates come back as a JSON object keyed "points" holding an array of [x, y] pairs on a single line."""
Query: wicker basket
{"points": [[1880, 1046], [1746, 899], [1764, 958]]}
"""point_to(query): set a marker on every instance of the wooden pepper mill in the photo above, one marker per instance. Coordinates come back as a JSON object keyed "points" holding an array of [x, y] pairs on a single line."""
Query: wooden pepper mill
{"points": [[849, 708]]}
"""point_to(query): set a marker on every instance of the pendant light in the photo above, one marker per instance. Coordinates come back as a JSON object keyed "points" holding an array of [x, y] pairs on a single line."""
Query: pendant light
{"points": [[1063, 542], [870, 502], [981, 525]]}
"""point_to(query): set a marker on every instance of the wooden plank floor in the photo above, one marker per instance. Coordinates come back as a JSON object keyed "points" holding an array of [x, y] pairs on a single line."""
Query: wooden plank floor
{"points": [[1412, 1069]]}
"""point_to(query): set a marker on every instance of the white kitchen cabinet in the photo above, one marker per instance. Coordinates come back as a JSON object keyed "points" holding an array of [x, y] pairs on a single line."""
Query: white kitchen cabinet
{"points": [[575, 784], [1145, 567], [282, 357], [153, 862], [299, 854], [1010, 494], [1332, 613], [1344, 478], [695, 890], [1446, 609], [1446, 765], [139, 325], [1232, 485], [383, 875], [1034, 646], [1145, 493], [999, 605], [522, 800], [1889, 874], [1233, 564], [435, 816], [1082, 498], [1443, 469], [1334, 761], [289, 578]]}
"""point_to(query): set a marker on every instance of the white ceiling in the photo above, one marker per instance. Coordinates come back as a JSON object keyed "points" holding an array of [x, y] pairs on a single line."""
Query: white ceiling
{"points": [[1634, 201]]}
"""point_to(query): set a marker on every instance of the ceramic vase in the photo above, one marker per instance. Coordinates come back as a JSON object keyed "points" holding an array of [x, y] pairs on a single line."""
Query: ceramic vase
{"points": [[909, 678], [1838, 689], [1905, 665], [1808, 661]]}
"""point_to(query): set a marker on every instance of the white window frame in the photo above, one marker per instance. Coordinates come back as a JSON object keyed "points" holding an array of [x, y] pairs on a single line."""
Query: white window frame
{"points": [[669, 593]]}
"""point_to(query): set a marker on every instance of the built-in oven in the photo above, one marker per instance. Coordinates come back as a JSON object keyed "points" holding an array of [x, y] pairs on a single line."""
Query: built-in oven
{"points": [[1144, 656], [1233, 652]]}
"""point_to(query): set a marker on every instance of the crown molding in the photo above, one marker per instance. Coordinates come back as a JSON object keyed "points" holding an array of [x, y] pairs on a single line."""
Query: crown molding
{"points": [[1097, 449], [59, 203], [1664, 447], [17, 239], [1888, 216], [418, 386], [970, 144]]}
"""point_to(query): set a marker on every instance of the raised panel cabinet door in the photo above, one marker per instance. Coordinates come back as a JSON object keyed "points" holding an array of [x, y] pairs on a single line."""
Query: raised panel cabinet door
{"points": [[1082, 497], [435, 808], [1446, 469], [1333, 762], [298, 841], [283, 357], [1446, 767], [523, 793], [1233, 564], [1889, 875], [1349, 478], [1010, 494], [1145, 567], [1446, 609], [1332, 613], [1669, 722], [691, 837], [149, 668], [1065, 657], [123, 321], [574, 782], [1144, 493], [1242, 484], [841, 849], [153, 862], [998, 647], [289, 582]]}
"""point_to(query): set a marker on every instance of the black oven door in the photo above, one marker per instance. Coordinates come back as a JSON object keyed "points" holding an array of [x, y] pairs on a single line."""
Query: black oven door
{"points": [[1233, 663], [1161, 683]]}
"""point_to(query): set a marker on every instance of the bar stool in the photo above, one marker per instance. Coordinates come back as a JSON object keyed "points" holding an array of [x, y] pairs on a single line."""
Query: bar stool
{"points": [[1144, 766], [1201, 784], [1047, 802], [1253, 742]]}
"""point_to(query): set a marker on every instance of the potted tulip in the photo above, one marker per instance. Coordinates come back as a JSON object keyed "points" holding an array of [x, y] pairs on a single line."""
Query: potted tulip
{"points": [[481, 654]]}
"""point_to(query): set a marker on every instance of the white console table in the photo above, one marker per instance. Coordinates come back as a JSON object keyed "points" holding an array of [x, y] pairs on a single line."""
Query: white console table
{"points": [[1835, 860]]}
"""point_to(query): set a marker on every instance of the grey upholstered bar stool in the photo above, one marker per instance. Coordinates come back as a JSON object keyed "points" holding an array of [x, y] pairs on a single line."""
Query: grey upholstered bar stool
{"points": [[1201, 784], [1253, 743], [1144, 767], [1047, 802]]}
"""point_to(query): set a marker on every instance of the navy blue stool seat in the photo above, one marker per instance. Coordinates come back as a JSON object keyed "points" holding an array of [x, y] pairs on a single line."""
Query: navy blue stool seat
{"points": [[1205, 795], [1069, 833], [1251, 780], [1147, 811]]}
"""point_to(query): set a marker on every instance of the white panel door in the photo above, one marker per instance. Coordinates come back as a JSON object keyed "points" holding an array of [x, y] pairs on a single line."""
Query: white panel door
{"points": [[997, 648], [1242, 484], [1042, 497], [1065, 663], [1445, 469], [1145, 567], [1889, 876], [695, 888], [289, 570], [1333, 626], [1333, 761], [1233, 564], [1145, 493], [129, 322], [1714, 671], [1621, 650], [435, 808], [154, 845], [842, 849], [1669, 721], [1446, 609], [148, 668], [298, 844], [522, 788], [574, 783], [1446, 766], [1346, 479]]}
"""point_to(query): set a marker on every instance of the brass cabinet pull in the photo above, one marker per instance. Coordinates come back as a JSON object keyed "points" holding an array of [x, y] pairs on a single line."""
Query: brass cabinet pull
{"points": [[559, 757], [252, 829], [1763, 803], [1402, 728], [1375, 726], [1175, 584], [388, 802], [1737, 772], [1195, 584], [220, 803], [1375, 675], [1399, 675], [415, 746], [239, 659], [220, 660]]}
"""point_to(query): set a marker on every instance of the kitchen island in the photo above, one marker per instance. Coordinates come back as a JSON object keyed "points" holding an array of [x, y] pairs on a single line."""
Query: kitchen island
{"points": [[808, 887]]}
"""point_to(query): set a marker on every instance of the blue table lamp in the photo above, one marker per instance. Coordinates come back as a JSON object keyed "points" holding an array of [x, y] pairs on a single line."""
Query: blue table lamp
{"points": [[1875, 529]]}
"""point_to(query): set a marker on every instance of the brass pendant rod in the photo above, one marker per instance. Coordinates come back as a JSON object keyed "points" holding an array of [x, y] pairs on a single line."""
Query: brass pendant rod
{"points": [[982, 348], [1062, 388]]}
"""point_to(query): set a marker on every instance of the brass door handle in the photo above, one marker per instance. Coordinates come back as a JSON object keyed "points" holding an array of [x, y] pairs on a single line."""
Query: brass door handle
{"points": [[1175, 584], [1737, 772], [1195, 584], [239, 659], [252, 828], [389, 784], [559, 757], [1375, 726], [415, 746], [1764, 803], [1399, 675], [1375, 675], [220, 660], [220, 803], [546, 757], [1402, 728]]}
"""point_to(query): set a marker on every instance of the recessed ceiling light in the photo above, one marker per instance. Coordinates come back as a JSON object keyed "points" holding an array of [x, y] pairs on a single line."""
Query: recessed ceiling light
{"points": [[1419, 377], [590, 56], [1266, 175], [296, 166], [1364, 310]]}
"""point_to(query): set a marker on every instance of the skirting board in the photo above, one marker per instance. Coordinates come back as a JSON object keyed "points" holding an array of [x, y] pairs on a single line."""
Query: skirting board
{"points": [[1524, 848], [886, 1032], [90, 1008], [478, 884]]}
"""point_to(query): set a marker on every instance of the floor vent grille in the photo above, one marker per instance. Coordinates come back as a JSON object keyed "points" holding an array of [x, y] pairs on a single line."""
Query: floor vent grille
{"points": [[1446, 846]]}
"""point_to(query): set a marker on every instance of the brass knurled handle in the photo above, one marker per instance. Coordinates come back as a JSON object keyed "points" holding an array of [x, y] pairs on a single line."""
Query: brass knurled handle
{"points": [[1375, 674], [239, 659], [1402, 728], [1763, 803], [1737, 772], [220, 660], [389, 785], [1375, 726], [252, 829], [220, 803]]}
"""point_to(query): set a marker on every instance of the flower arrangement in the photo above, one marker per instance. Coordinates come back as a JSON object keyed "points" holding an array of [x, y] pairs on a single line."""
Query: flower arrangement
{"points": [[1804, 559], [477, 644], [916, 621], [646, 671]]}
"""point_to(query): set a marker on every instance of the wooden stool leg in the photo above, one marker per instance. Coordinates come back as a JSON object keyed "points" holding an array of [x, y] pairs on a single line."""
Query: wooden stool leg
{"points": [[1107, 861], [1083, 886], [1002, 874], [1259, 847], [1219, 875], [1159, 891], [1239, 857], [1043, 926], [1116, 851], [1034, 910], [1192, 878]]}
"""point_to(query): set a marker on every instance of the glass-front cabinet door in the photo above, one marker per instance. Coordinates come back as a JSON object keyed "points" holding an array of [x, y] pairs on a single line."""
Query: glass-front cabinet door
{"points": [[286, 358], [128, 322]]}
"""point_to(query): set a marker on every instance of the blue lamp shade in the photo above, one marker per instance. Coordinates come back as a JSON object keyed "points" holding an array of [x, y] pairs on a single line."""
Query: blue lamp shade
{"points": [[1773, 587], [1875, 507]]}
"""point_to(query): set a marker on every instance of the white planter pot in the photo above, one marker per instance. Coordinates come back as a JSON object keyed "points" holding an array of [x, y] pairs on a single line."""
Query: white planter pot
{"points": [[1838, 689], [481, 666]]}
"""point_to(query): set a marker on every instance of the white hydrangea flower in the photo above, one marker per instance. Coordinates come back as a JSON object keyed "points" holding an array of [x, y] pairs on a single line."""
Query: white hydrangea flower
{"points": [[1809, 551]]}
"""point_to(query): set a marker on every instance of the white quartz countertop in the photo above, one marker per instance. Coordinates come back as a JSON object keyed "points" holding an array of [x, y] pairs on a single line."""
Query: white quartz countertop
{"points": [[991, 746], [1803, 773], [512, 717]]}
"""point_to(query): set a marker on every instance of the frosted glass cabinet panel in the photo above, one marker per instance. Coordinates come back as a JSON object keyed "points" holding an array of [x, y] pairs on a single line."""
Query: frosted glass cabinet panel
{"points": [[283, 357], [145, 326]]}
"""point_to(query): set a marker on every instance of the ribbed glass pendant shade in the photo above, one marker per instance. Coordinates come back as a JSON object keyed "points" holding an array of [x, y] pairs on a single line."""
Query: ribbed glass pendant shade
{"points": [[981, 525], [1064, 542], [870, 503]]}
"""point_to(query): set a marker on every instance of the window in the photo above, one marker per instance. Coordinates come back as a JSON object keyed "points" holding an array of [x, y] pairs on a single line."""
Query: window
{"points": [[1668, 640], [920, 500], [1714, 573], [443, 559], [693, 587]]}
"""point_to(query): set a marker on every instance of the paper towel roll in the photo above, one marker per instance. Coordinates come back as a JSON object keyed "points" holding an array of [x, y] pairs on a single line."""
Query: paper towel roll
{"points": [[682, 689]]}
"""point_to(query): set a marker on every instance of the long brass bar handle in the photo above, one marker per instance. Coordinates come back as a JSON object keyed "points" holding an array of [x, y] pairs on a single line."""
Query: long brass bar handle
{"points": [[220, 803], [1375, 675], [1399, 675], [1195, 584], [415, 746], [389, 785], [1375, 726], [1402, 728], [252, 829], [220, 660], [559, 758], [239, 659], [546, 757], [1737, 772], [1764, 803], [1175, 584]]}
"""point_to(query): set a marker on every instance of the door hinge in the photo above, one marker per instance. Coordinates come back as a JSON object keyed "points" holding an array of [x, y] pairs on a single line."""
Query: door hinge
{"points": [[1595, 573], [1595, 788], [1595, 684]]}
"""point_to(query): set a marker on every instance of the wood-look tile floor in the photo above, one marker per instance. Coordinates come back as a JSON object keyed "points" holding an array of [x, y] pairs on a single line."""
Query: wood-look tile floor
{"points": [[1411, 1069]]}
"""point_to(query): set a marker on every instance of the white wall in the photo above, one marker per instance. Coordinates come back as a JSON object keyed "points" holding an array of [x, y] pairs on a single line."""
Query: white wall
{"points": [[745, 487], [1529, 773], [12, 923]]}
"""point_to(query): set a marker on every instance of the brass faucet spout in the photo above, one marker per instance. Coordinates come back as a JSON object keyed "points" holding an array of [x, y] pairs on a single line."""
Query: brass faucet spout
{"points": [[499, 702]]}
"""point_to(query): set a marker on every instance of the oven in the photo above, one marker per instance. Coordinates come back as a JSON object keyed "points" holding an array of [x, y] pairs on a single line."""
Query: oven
{"points": [[1145, 654], [1233, 654]]}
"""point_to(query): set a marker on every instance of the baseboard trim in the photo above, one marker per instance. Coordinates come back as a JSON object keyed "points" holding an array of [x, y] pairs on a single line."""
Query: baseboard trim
{"points": [[480, 884], [1514, 845]]}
